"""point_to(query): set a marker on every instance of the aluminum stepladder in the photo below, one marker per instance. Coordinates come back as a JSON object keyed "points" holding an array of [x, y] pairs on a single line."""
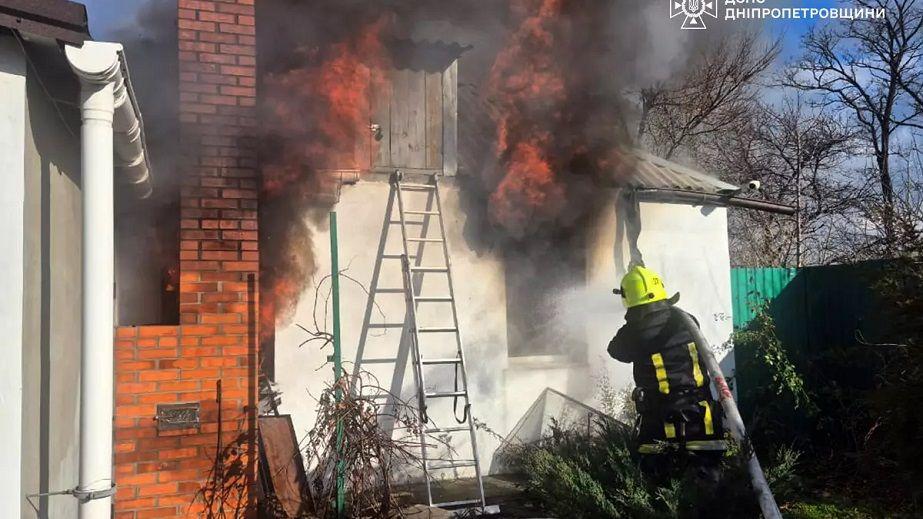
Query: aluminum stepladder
{"points": [[418, 332]]}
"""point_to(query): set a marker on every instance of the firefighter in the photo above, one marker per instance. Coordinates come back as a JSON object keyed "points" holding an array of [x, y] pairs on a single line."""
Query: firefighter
{"points": [[679, 421]]}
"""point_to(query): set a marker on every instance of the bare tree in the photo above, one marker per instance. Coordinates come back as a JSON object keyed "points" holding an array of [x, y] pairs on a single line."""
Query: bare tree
{"points": [[908, 172], [798, 155], [871, 67], [712, 97]]}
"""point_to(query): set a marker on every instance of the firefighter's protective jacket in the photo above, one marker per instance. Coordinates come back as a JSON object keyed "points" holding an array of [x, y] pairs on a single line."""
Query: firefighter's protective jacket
{"points": [[677, 405]]}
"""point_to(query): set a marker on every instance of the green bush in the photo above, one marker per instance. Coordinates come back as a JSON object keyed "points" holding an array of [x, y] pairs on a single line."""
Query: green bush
{"points": [[850, 407], [763, 346], [782, 474], [573, 475], [824, 511], [775, 401], [895, 402]]}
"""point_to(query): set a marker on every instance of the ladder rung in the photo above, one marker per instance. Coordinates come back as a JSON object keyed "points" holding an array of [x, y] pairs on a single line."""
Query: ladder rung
{"points": [[446, 430], [377, 361], [389, 290], [385, 325], [444, 395], [452, 465], [406, 222], [437, 330], [429, 269], [455, 360], [397, 185], [458, 503]]}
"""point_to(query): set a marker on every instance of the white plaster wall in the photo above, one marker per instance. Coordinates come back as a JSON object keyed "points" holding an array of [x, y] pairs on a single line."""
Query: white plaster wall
{"points": [[12, 196], [51, 305], [480, 298], [687, 244]]}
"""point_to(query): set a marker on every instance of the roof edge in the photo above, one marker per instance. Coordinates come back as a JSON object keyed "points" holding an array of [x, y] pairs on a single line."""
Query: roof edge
{"points": [[700, 198], [61, 20]]}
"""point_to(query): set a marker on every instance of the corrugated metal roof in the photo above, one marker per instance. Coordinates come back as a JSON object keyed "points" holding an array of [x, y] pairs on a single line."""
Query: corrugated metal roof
{"points": [[652, 172]]}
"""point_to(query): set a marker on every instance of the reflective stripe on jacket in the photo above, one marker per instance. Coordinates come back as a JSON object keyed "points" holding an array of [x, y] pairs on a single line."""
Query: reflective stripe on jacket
{"points": [[678, 406]]}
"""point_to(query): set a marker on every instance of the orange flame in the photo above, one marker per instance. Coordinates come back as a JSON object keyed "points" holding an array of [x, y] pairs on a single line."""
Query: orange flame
{"points": [[548, 141], [318, 116], [526, 76], [322, 112]]}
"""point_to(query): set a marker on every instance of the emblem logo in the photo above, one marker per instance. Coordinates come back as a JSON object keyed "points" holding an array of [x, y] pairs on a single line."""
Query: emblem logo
{"points": [[693, 11]]}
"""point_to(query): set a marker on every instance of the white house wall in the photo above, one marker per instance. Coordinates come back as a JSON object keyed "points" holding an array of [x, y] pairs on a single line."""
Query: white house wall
{"points": [[479, 290], [688, 245], [52, 308], [696, 263], [12, 197]]}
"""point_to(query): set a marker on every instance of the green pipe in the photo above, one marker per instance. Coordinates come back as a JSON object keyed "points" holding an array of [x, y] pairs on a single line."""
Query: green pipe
{"points": [[337, 363]]}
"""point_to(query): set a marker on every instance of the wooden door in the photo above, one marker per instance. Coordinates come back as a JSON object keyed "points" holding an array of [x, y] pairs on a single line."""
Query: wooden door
{"points": [[409, 114]]}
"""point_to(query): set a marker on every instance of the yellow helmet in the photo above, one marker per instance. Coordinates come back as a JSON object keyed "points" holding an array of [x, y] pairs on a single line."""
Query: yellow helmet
{"points": [[641, 286]]}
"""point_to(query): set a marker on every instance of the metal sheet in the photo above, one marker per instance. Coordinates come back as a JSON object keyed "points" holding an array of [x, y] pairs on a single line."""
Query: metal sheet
{"points": [[656, 173], [753, 287]]}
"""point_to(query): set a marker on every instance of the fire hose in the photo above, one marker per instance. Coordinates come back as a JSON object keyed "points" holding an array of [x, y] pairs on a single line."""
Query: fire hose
{"points": [[767, 502]]}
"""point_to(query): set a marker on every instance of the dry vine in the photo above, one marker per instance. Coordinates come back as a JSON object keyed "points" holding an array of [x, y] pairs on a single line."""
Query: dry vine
{"points": [[370, 457]]}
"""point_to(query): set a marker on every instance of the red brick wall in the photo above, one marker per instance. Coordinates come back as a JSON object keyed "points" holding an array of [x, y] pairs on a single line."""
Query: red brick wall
{"points": [[174, 473]]}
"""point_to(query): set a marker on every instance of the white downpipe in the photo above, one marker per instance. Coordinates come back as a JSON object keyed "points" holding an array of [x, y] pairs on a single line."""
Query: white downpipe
{"points": [[111, 131], [97, 108]]}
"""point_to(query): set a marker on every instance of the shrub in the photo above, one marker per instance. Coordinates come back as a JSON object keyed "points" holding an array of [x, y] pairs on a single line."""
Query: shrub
{"points": [[851, 407], [896, 399], [774, 397], [782, 474], [824, 511], [580, 476], [762, 344]]}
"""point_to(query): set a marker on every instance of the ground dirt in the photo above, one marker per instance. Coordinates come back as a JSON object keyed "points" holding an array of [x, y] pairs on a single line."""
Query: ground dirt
{"points": [[501, 491]]}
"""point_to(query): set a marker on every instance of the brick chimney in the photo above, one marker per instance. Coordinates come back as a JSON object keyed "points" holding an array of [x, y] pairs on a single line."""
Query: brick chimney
{"points": [[165, 469]]}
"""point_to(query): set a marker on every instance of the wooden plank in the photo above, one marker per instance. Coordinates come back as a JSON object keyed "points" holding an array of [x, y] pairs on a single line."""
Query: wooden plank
{"points": [[433, 119], [408, 122], [450, 119], [363, 148], [381, 115], [416, 101], [400, 118], [285, 468], [410, 171]]}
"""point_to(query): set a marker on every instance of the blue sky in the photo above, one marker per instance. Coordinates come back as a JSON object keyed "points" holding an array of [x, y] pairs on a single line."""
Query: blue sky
{"points": [[108, 15], [793, 30]]}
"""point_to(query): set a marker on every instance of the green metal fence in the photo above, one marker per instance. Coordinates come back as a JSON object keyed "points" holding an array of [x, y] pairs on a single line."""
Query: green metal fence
{"points": [[812, 307], [819, 313], [752, 287]]}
